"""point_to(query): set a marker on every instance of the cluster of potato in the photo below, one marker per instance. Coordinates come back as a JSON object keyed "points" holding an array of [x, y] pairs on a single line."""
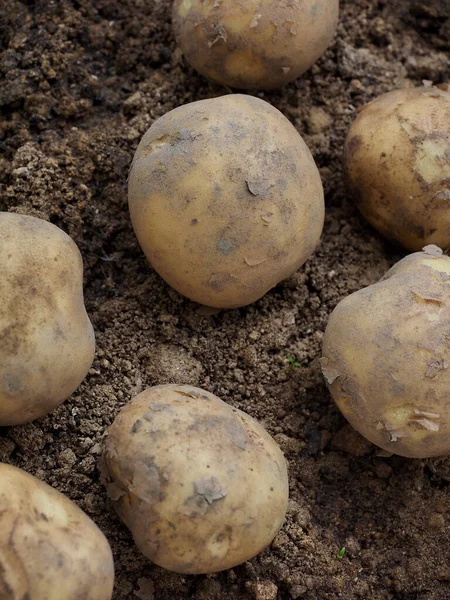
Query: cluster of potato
{"points": [[226, 201], [386, 349], [201, 485], [246, 210]]}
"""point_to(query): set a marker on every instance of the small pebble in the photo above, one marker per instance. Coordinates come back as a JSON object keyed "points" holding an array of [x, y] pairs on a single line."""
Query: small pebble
{"points": [[263, 590], [349, 440], [383, 470], [67, 458], [297, 591], [436, 522]]}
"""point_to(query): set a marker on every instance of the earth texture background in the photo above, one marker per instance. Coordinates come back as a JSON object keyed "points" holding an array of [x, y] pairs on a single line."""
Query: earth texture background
{"points": [[80, 82]]}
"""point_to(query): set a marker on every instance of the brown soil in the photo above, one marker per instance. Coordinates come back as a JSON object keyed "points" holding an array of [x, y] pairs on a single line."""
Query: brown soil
{"points": [[80, 82]]}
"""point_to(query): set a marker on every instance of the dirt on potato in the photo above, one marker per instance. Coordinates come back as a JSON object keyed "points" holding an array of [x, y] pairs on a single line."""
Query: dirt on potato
{"points": [[80, 82]]}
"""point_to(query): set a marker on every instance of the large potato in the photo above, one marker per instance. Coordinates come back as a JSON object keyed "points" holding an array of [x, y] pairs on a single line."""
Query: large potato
{"points": [[386, 357], [49, 549], [225, 199], [397, 158], [46, 338], [254, 44], [201, 485]]}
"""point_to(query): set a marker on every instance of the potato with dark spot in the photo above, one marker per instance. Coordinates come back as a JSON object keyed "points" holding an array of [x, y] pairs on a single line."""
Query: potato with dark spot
{"points": [[386, 357], [49, 549], [225, 199], [260, 44], [46, 338], [201, 485], [397, 160]]}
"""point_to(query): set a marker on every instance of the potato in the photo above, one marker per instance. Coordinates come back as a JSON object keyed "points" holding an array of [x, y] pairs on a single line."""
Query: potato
{"points": [[49, 549], [397, 159], [201, 485], [225, 199], [386, 357], [46, 339], [257, 44]]}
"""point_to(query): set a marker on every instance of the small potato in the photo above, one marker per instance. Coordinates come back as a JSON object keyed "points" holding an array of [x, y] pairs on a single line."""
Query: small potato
{"points": [[225, 199], [201, 485], [386, 357], [46, 339], [258, 44], [397, 159], [49, 549]]}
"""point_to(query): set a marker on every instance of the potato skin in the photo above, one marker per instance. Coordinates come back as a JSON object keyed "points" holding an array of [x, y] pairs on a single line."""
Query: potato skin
{"points": [[225, 199], [261, 44], [397, 161], [46, 339], [386, 357], [201, 485], [49, 549]]}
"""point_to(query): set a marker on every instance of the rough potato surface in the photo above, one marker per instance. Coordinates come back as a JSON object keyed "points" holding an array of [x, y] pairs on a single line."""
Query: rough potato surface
{"points": [[386, 357], [254, 44], [46, 338], [201, 485], [49, 549], [397, 158], [225, 199]]}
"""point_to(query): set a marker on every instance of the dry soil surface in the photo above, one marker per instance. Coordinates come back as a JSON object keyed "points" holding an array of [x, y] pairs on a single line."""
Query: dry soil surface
{"points": [[80, 82]]}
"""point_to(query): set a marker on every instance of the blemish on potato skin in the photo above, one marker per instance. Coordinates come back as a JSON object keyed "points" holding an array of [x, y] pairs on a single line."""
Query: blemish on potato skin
{"points": [[354, 144], [225, 246], [238, 130], [216, 282], [9, 340], [137, 426], [425, 298], [211, 489], [435, 366], [159, 406], [193, 394]]}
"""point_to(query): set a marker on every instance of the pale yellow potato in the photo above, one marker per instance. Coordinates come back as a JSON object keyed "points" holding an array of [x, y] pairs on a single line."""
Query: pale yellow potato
{"points": [[397, 159], [259, 44], [225, 199], [386, 357], [49, 549], [46, 338], [201, 485]]}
